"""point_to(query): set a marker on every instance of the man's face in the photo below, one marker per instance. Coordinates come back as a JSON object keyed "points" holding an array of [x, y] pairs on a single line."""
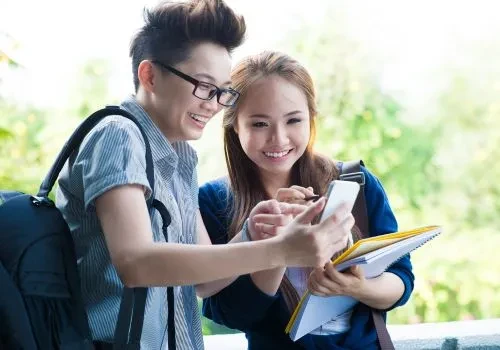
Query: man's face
{"points": [[179, 114]]}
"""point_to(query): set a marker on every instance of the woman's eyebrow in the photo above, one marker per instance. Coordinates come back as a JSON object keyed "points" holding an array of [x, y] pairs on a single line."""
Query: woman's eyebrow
{"points": [[292, 113], [260, 115]]}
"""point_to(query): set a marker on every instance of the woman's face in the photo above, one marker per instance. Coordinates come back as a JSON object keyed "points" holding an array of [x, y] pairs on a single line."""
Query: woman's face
{"points": [[179, 114], [273, 125]]}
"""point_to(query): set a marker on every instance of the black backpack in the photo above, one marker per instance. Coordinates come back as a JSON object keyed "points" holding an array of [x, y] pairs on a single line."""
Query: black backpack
{"points": [[41, 305]]}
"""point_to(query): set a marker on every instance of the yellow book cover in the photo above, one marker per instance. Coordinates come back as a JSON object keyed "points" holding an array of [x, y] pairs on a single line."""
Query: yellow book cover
{"points": [[374, 255]]}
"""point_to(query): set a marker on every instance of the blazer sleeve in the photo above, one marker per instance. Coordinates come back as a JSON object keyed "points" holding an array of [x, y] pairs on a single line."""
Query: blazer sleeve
{"points": [[242, 303]]}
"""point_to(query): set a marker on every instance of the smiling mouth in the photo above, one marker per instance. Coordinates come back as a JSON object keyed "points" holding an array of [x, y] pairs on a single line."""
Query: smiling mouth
{"points": [[199, 118], [277, 155]]}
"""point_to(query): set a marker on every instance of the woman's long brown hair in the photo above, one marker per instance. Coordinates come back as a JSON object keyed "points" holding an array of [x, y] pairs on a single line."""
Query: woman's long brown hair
{"points": [[310, 170]]}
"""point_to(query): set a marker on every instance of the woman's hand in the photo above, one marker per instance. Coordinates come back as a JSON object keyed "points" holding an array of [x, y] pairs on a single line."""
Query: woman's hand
{"points": [[295, 195], [268, 218], [302, 243], [328, 281]]}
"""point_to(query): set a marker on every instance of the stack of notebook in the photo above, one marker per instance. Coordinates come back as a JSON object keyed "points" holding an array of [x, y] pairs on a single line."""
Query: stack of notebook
{"points": [[374, 255]]}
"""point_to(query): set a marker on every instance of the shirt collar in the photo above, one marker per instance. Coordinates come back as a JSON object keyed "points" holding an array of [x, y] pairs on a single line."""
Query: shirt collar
{"points": [[162, 150]]}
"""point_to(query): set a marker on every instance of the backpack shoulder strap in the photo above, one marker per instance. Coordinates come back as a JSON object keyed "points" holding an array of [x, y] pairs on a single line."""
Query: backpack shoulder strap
{"points": [[131, 315], [76, 139], [351, 171]]}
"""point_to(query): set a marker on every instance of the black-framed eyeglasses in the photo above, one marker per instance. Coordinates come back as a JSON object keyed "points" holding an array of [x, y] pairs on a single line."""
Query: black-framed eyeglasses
{"points": [[205, 91]]}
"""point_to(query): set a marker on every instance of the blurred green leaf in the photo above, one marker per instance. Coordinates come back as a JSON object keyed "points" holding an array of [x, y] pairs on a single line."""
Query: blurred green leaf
{"points": [[4, 133]]}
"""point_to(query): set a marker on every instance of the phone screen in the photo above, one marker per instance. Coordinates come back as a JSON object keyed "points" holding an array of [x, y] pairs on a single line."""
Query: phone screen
{"points": [[339, 192]]}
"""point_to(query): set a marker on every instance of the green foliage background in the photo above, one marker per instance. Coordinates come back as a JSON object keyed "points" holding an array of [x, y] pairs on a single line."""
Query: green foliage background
{"points": [[439, 167]]}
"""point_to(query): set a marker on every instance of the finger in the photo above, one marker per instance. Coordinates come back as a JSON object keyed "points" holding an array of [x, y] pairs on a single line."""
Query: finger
{"points": [[298, 201], [289, 194], [311, 212], [340, 218], [271, 219], [266, 207], [292, 209], [332, 236], [334, 275], [348, 223], [318, 290], [328, 269], [322, 286], [305, 191], [331, 287], [313, 285], [347, 242], [357, 271], [340, 236], [344, 232], [273, 206], [266, 229], [316, 271], [324, 290]]}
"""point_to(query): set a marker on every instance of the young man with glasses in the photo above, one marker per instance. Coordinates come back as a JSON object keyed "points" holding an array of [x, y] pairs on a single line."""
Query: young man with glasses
{"points": [[204, 90], [102, 188]]}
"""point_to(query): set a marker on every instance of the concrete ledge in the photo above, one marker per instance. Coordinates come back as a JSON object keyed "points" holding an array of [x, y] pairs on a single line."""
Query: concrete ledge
{"points": [[461, 335]]}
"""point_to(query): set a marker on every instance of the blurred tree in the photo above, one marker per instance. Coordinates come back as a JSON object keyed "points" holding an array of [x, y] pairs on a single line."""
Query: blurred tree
{"points": [[358, 120], [23, 157], [6, 62], [21, 151], [470, 114], [457, 274], [91, 88], [443, 171], [29, 142], [7, 46]]}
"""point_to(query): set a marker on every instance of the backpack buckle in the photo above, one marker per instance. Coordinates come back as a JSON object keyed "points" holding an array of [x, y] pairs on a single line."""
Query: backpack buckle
{"points": [[358, 177], [38, 201]]}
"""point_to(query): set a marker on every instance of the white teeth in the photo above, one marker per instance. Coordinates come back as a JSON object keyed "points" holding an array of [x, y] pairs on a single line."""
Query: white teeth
{"points": [[199, 118], [276, 154]]}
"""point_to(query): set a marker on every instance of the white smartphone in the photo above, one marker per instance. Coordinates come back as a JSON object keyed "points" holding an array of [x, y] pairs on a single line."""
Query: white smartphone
{"points": [[339, 192]]}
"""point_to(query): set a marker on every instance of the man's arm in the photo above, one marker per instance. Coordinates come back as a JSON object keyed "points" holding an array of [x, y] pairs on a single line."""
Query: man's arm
{"points": [[205, 290], [141, 262]]}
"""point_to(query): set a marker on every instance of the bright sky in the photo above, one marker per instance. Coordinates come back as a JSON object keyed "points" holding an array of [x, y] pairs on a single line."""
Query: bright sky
{"points": [[57, 36], [412, 38]]}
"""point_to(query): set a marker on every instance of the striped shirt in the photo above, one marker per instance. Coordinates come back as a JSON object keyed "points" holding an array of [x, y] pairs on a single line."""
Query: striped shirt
{"points": [[113, 154]]}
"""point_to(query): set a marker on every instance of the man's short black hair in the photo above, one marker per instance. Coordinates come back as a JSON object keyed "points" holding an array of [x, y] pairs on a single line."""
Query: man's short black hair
{"points": [[172, 28]]}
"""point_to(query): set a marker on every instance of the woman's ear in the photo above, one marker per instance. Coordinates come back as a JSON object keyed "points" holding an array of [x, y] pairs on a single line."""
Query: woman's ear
{"points": [[146, 74], [235, 128]]}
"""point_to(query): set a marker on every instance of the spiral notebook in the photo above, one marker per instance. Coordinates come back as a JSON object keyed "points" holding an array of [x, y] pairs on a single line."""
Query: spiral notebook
{"points": [[374, 255]]}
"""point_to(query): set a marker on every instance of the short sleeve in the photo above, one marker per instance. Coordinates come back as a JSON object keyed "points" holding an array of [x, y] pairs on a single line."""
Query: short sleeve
{"points": [[113, 154]]}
